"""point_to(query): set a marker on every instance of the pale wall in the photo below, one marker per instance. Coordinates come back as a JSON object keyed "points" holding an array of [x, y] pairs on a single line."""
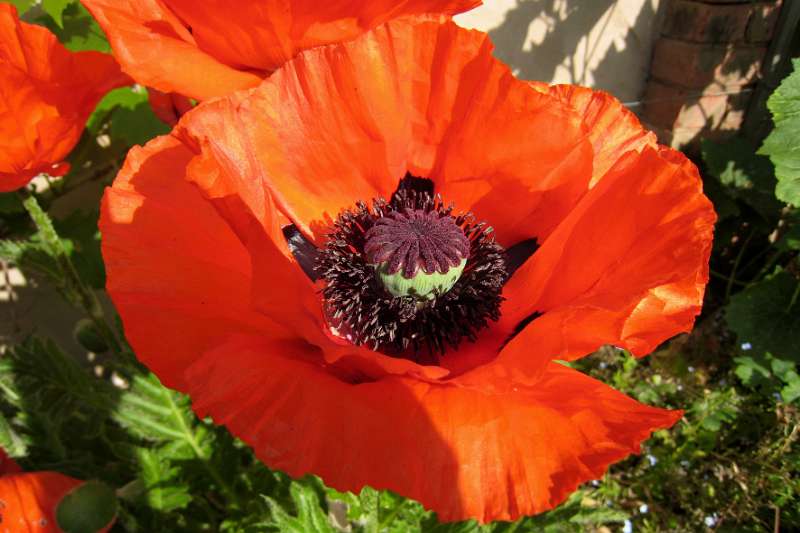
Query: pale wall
{"points": [[600, 43]]}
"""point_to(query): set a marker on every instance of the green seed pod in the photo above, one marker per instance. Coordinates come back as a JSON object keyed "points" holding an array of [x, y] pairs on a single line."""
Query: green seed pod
{"points": [[422, 285]]}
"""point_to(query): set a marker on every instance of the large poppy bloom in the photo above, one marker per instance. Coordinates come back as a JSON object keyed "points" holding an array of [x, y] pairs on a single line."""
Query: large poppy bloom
{"points": [[29, 501], [205, 49], [48, 94], [207, 236]]}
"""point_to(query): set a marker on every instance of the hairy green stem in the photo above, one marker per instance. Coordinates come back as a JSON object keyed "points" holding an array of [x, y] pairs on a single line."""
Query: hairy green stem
{"points": [[736, 262], [84, 294]]}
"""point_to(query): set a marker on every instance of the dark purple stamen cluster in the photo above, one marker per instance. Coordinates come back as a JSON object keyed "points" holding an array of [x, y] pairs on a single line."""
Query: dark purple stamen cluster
{"points": [[361, 310], [413, 238]]}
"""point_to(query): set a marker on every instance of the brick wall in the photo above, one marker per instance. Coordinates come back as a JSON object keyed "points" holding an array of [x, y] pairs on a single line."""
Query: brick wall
{"points": [[705, 64]]}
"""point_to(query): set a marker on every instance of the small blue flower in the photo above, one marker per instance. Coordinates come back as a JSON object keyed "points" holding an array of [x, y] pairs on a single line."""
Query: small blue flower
{"points": [[643, 508], [628, 527], [747, 346]]}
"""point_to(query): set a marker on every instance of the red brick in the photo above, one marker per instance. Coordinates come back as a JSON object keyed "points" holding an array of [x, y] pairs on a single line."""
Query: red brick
{"points": [[697, 66], [678, 114], [761, 26], [706, 23], [734, 1]]}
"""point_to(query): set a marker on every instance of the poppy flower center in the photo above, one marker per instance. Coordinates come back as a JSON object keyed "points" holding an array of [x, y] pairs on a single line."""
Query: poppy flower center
{"points": [[417, 253], [408, 277]]}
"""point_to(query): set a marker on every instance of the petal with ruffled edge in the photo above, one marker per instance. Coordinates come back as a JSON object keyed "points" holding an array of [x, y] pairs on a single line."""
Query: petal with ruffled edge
{"points": [[158, 50], [46, 95], [462, 452], [627, 267], [613, 129], [207, 49], [344, 123]]}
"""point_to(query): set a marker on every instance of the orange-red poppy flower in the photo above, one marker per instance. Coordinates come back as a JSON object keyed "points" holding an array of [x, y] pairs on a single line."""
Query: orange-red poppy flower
{"points": [[29, 501], [206, 49], [47, 94], [454, 399]]}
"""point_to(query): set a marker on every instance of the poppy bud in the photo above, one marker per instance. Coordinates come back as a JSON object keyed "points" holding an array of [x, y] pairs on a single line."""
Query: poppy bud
{"points": [[88, 508]]}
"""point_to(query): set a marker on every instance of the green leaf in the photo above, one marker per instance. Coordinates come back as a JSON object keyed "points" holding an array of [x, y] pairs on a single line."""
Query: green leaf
{"points": [[131, 119], [54, 382], [767, 316], [164, 491], [781, 145], [77, 30], [790, 240], [163, 417], [57, 409], [55, 8], [791, 392], [745, 176], [23, 5], [751, 372], [156, 413], [309, 513], [10, 440]]}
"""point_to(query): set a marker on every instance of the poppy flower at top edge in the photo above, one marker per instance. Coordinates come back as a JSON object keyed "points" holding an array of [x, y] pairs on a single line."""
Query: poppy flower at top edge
{"points": [[289, 334], [29, 501], [48, 93], [207, 49]]}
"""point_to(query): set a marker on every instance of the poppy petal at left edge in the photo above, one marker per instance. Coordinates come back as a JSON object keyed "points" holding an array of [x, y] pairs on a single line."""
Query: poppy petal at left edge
{"points": [[48, 93]]}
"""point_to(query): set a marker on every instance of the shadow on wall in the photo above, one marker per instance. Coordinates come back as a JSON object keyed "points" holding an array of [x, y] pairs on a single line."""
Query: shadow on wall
{"points": [[604, 44]]}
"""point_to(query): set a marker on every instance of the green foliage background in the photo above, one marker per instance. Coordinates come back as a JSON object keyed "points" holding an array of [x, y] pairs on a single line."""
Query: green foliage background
{"points": [[732, 464]]}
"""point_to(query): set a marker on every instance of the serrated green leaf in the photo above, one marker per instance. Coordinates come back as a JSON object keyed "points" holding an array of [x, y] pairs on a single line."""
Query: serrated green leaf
{"points": [[10, 441], [309, 513], [154, 412], [55, 8], [57, 406], [163, 489], [44, 374], [781, 145], [765, 316]]}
